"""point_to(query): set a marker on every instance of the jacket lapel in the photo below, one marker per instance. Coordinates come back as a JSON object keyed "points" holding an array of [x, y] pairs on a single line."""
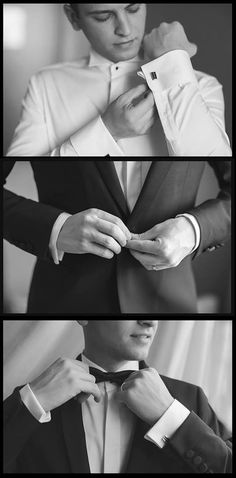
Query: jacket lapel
{"points": [[74, 435], [108, 172], [139, 459], [154, 180]]}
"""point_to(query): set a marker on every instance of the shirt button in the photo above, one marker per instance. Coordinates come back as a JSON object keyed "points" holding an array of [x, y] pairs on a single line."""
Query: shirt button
{"points": [[197, 460], [190, 454]]}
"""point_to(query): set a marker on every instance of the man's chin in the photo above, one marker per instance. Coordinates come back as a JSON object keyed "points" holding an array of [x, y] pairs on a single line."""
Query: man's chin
{"points": [[138, 355], [125, 55]]}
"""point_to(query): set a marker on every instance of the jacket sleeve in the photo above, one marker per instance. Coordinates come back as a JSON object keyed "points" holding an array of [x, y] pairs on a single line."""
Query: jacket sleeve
{"points": [[202, 441], [18, 425], [27, 224], [214, 215]]}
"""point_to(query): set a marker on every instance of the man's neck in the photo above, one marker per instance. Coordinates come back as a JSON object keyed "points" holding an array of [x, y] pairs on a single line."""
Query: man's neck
{"points": [[109, 365], [97, 59]]}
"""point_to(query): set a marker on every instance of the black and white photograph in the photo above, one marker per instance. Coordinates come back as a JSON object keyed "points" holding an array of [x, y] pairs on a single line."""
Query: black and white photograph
{"points": [[117, 396], [117, 80], [117, 237]]}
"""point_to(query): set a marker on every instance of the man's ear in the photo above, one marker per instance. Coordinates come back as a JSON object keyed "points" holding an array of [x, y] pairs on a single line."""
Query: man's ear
{"points": [[72, 17], [83, 323]]}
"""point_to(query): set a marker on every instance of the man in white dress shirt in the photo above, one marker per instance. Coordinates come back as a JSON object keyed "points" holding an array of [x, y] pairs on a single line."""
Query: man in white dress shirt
{"points": [[141, 423], [135, 95]]}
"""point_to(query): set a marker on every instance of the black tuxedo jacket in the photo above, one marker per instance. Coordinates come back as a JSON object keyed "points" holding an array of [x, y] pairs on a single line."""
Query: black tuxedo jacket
{"points": [[201, 445], [86, 283]]}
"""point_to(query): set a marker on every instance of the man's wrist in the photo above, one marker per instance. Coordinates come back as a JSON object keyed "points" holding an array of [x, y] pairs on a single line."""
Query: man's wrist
{"points": [[193, 221], [31, 402], [56, 254], [163, 430], [162, 413], [109, 127], [172, 69]]}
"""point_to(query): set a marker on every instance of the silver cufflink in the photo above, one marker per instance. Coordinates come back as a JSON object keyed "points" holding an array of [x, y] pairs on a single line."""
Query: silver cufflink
{"points": [[165, 439]]}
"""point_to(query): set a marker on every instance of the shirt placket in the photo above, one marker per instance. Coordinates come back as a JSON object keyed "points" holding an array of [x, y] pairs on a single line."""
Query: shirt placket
{"points": [[132, 180], [111, 463]]}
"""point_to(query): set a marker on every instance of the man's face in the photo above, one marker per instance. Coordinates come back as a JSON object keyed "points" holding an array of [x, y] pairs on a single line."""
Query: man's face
{"points": [[121, 340], [115, 30]]}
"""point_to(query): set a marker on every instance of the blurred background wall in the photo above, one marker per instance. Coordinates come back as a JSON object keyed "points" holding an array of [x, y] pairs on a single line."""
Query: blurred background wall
{"points": [[212, 270], [196, 351], [36, 35]]}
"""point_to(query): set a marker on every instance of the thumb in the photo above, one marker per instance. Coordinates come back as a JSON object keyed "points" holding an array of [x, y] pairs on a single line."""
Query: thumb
{"points": [[82, 397], [151, 234]]}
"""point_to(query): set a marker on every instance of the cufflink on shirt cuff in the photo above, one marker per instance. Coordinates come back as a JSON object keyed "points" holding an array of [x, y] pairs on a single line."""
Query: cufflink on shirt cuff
{"points": [[165, 439], [154, 75]]}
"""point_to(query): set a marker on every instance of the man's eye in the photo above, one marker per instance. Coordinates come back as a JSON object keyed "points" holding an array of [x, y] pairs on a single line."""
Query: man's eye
{"points": [[133, 8], [103, 19]]}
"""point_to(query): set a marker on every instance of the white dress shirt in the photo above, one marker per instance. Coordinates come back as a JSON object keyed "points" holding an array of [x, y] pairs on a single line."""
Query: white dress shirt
{"points": [[132, 175], [62, 109], [110, 426]]}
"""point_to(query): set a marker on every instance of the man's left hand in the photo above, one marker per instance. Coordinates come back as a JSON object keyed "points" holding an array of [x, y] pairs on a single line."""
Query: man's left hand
{"points": [[167, 37], [165, 245], [146, 395]]}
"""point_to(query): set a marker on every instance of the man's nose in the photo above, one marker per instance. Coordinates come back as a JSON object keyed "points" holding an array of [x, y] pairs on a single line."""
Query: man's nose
{"points": [[123, 26], [148, 323]]}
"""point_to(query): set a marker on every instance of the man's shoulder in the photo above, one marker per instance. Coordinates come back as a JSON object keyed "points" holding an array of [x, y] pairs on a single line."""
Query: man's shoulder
{"points": [[67, 65], [62, 69], [187, 393], [173, 382]]}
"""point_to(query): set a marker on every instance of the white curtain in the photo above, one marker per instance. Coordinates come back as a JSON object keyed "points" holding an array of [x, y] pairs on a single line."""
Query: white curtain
{"points": [[197, 351]]}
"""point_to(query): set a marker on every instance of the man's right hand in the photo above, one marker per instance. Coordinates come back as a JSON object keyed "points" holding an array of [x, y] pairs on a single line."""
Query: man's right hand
{"points": [[126, 117], [93, 232], [62, 381]]}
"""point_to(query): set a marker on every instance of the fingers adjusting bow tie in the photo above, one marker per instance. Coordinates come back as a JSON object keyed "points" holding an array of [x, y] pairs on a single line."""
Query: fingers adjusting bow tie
{"points": [[113, 377]]}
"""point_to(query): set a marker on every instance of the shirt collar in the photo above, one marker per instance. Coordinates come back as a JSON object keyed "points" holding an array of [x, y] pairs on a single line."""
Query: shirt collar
{"points": [[129, 365], [95, 59]]}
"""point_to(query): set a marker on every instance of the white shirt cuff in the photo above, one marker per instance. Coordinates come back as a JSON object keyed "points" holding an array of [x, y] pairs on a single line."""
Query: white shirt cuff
{"points": [[56, 254], [196, 227], [172, 69], [31, 402], [168, 424], [94, 139]]}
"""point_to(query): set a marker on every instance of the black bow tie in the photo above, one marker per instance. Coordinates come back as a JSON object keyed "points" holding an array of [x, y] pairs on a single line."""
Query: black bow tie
{"points": [[114, 377]]}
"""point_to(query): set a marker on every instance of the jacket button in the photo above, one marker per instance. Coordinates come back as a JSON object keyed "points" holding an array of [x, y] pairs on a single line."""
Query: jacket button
{"points": [[197, 460], [190, 454], [203, 468]]}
